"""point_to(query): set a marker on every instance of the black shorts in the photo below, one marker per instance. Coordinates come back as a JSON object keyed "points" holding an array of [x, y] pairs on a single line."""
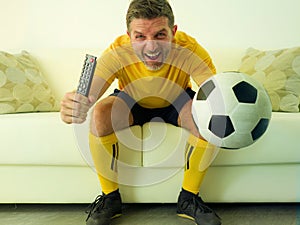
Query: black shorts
{"points": [[169, 114]]}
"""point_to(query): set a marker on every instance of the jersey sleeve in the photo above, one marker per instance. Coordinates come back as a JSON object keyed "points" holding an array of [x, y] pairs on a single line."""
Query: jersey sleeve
{"points": [[202, 66], [108, 66], [194, 59], [114, 59]]}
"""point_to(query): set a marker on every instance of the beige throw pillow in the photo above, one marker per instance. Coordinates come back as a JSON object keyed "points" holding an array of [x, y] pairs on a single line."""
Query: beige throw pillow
{"points": [[279, 72], [22, 85]]}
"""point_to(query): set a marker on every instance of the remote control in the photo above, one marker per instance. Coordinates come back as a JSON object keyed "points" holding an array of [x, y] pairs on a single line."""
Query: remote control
{"points": [[87, 74]]}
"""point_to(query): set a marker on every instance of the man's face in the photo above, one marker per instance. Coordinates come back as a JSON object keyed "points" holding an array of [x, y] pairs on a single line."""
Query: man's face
{"points": [[151, 40]]}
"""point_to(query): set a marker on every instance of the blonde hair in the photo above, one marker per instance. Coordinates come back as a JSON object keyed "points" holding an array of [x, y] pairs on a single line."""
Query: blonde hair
{"points": [[149, 9]]}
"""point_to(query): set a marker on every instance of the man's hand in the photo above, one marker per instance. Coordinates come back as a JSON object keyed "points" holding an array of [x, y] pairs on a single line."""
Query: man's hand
{"points": [[74, 107]]}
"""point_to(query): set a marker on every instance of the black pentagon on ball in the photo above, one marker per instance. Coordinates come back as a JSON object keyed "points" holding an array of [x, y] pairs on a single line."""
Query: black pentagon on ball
{"points": [[260, 128], [245, 92], [221, 126], [205, 90]]}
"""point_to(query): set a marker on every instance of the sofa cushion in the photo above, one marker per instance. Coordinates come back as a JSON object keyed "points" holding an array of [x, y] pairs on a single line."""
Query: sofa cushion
{"points": [[23, 88], [164, 147], [43, 139], [279, 72], [48, 141], [279, 145], [37, 139]]}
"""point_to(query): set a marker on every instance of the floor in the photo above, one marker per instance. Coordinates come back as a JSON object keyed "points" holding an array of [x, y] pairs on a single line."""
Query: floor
{"points": [[151, 214]]}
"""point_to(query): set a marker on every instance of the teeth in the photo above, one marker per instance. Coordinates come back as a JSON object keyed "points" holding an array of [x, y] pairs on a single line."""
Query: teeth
{"points": [[152, 55]]}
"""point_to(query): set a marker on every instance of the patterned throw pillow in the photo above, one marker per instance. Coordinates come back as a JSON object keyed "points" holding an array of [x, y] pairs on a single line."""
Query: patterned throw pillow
{"points": [[22, 85], [279, 72]]}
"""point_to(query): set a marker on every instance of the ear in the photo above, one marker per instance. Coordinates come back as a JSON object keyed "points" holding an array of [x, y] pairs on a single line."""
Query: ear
{"points": [[174, 30], [128, 33]]}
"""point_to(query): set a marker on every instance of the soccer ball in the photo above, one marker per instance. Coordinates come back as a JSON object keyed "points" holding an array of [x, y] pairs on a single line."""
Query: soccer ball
{"points": [[231, 110]]}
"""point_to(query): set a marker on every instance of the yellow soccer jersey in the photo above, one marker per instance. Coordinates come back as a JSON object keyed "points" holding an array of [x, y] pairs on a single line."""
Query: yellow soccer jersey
{"points": [[159, 88]]}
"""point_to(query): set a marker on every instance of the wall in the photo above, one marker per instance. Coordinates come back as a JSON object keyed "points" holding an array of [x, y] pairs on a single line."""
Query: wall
{"points": [[242, 23], [90, 23]]}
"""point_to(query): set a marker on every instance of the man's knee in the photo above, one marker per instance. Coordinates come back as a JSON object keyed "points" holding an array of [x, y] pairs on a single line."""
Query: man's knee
{"points": [[102, 109], [186, 120], [100, 123], [109, 115]]}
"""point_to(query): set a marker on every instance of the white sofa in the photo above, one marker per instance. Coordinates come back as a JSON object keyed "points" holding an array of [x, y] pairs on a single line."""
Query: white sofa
{"points": [[43, 160]]}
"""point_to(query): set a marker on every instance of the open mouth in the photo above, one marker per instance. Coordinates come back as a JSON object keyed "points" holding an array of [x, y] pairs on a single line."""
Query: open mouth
{"points": [[152, 56]]}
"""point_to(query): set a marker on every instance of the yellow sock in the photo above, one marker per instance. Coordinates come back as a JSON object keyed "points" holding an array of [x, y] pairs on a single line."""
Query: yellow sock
{"points": [[199, 155], [105, 151]]}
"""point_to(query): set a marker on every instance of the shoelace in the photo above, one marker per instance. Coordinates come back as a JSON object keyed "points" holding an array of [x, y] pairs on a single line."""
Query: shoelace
{"points": [[95, 206]]}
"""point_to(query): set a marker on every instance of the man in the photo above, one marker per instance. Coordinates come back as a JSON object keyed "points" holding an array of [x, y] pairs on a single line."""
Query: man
{"points": [[153, 63]]}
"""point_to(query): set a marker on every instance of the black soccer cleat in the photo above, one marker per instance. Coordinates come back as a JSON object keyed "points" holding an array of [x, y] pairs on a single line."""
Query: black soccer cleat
{"points": [[104, 209], [191, 206]]}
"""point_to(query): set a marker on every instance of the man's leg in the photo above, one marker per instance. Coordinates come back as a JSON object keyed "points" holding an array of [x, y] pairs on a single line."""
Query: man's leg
{"points": [[109, 115], [105, 151], [199, 155]]}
